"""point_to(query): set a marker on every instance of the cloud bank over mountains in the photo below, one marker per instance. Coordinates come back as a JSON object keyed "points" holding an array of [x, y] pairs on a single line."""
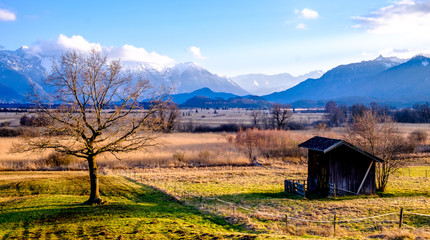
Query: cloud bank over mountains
{"points": [[128, 54], [403, 23]]}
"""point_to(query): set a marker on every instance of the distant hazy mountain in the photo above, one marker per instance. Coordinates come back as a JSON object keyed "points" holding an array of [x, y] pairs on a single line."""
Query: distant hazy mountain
{"points": [[388, 80], [203, 92], [261, 84], [21, 69], [237, 102]]}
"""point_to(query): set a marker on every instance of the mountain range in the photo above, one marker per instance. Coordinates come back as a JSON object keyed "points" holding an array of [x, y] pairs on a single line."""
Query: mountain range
{"points": [[262, 84], [20, 69], [392, 81], [388, 80]]}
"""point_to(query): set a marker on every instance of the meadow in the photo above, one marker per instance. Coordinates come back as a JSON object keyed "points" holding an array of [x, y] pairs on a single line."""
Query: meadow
{"points": [[201, 186]]}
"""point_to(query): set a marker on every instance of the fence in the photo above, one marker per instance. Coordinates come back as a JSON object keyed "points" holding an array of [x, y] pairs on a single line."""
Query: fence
{"points": [[334, 221], [297, 187], [425, 173]]}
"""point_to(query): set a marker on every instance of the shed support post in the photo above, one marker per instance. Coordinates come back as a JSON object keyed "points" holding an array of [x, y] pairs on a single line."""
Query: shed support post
{"points": [[364, 179]]}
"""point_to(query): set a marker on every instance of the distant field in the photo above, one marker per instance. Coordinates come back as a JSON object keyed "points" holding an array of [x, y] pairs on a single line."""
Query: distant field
{"points": [[236, 116]]}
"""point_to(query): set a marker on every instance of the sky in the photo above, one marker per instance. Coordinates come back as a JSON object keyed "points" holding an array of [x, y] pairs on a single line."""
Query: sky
{"points": [[227, 37]]}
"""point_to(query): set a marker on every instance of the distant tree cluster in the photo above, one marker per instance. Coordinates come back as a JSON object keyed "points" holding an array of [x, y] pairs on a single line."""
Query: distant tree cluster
{"points": [[34, 121], [419, 113], [278, 117], [339, 115]]}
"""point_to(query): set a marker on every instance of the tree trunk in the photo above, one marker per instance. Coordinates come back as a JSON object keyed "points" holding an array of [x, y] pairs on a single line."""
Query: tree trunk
{"points": [[95, 193]]}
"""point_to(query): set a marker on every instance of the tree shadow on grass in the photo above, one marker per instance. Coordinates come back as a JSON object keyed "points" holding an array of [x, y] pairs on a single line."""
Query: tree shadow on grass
{"points": [[133, 202]]}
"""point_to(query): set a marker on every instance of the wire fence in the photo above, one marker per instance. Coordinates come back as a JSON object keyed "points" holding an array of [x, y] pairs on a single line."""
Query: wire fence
{"points": [[334, 220], [418, 173], [285, 217]]}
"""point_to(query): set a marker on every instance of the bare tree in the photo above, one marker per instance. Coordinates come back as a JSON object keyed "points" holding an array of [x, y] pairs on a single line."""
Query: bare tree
{"points": [[335, 115], [280, 115], [99, 112], [255, 116], [248, 141], [168, 115], [378, 134]]}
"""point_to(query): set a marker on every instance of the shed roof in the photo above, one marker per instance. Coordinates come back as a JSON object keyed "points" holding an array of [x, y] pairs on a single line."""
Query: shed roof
{"points": [[322, 144]]}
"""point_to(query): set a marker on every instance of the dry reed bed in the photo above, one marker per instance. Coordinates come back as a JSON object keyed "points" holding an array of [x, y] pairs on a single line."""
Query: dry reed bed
{"points": [[174, 150]]}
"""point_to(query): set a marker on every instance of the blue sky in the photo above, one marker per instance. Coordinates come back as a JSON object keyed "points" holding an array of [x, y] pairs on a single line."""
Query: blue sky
{"points": [[227, 37]]}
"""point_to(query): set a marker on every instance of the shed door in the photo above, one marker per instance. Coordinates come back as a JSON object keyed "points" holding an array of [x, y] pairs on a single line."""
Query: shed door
{"points": [[323, 177], [318, 173], [323, 174]]}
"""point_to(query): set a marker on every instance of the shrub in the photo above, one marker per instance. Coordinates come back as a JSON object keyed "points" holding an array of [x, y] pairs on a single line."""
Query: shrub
{"points": [[418, 137], [34, 121], [5, 124], [205, 155], [268, 143], [179, 156], [58, 159], [296, 126], [10, 132]]}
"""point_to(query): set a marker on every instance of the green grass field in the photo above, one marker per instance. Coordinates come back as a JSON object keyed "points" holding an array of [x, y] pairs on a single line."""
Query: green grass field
{"points": [[47, 205], [261, 189]]}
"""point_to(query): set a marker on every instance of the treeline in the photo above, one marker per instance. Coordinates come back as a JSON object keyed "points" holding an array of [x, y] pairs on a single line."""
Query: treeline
{"points": [[338, 115]]}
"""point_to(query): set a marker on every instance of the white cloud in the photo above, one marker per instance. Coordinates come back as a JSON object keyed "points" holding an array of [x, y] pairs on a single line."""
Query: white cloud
{"points": [[403, 17], [134, 54], [6, 15], [301, 26], [77, 42], [404, 53], [196, 52], [401, 29], [128, 54], [309, 13]]}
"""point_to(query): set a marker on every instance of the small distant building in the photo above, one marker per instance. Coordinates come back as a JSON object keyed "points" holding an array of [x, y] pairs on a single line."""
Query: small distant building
{"points": [[335, 162]]}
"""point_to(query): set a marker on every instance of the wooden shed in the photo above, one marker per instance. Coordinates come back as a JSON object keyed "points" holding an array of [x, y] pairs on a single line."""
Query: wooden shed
{"points": [[337, 163]]}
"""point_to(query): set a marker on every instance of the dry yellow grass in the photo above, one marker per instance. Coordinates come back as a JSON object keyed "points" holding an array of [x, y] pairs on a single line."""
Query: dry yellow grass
{"points": [[197, 149], [261, 189], [177, 149]]}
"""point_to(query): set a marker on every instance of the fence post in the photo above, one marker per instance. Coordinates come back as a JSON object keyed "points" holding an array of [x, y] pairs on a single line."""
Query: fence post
{"points": [[401, 218], [286, 221], [334, 189], [215, 206], [334, 224], [234, 211]]}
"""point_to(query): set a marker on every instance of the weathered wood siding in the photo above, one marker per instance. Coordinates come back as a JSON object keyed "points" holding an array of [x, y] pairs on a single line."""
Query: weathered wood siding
{"points": [[318, 173], [348, 168], [343, 166]]}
